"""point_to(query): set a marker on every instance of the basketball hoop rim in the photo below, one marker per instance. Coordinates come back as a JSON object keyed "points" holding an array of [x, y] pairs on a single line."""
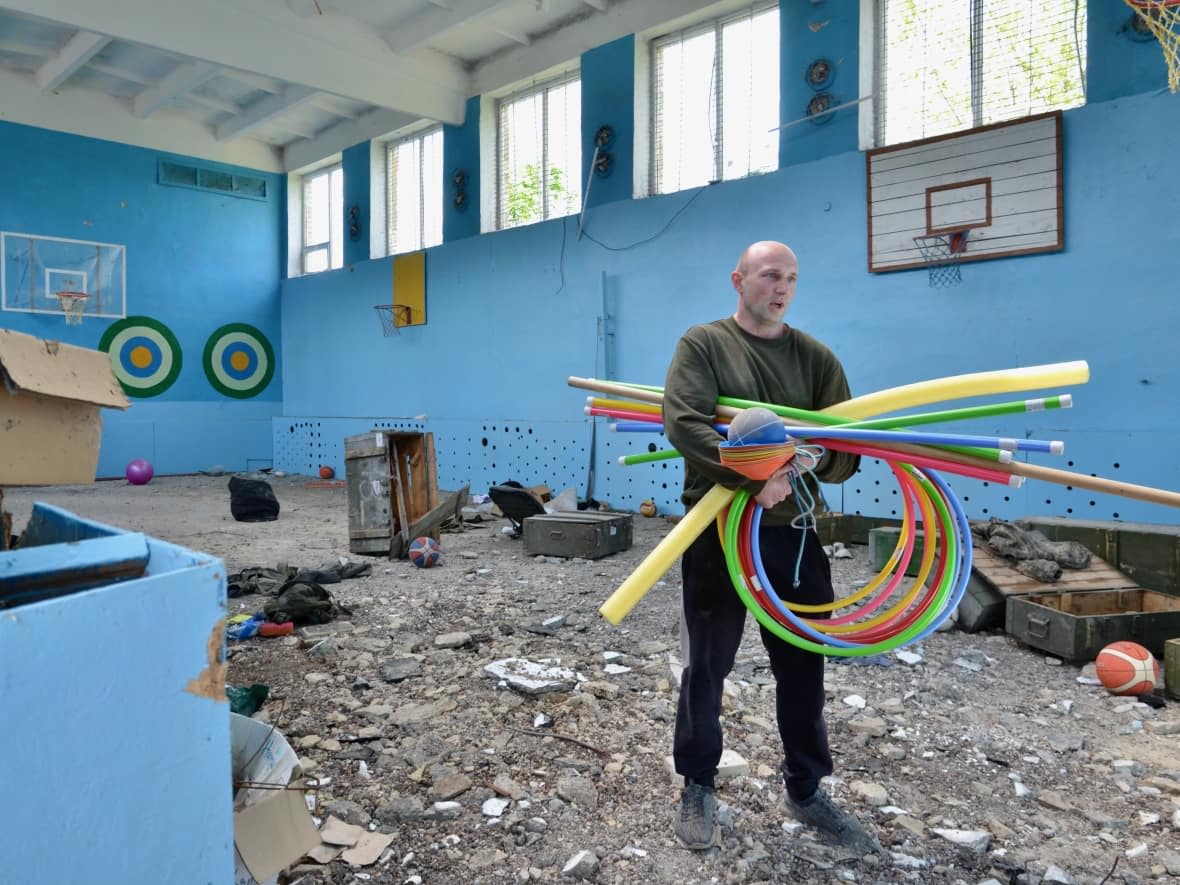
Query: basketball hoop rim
{"points": [[1153, 4]]}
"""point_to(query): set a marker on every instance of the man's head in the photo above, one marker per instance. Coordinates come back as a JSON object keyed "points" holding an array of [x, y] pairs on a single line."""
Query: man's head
{"points": [[765, 280]]}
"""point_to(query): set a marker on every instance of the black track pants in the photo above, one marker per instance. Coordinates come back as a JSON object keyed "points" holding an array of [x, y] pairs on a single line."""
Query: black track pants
{"points": [[715, 616]]}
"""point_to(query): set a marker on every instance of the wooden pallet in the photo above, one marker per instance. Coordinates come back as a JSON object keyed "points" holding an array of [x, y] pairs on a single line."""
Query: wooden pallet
{"points": [[1007, 581]]}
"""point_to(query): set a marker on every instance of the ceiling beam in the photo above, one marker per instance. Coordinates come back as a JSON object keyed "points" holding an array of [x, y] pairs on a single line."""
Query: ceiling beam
{"points": [[181, 79], [329, 103], [514, 36], [564, 44], [88, 112], [344, 134], [434, 22], [328, 53], [80, 48], [600, 5], [263, 111]]}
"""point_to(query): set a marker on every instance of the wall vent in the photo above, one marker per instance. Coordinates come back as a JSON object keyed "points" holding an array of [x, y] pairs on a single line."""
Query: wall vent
{"points": [[200, 178]]}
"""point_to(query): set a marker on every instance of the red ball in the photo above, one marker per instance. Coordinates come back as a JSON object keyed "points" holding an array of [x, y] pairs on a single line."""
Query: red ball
{"points": [[327, 472], [1127, 668]]}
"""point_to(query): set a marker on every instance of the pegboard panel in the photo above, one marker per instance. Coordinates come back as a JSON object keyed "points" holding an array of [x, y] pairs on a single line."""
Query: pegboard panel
{"points": [[624, 488], [303, 445], [488, 452], [1138, 458], [873, 491]]}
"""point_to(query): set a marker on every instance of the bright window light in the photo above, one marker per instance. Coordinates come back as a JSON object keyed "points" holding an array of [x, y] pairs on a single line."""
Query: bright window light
{"points": [[716, 100]]}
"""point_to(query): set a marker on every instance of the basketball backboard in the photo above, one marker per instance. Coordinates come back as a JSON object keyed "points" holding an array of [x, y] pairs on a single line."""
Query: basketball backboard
{"points": [[1002, 183]]}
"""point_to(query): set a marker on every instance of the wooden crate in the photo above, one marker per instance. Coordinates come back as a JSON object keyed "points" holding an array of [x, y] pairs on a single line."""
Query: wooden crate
{"points": [[1099, 575], [392, 486]]}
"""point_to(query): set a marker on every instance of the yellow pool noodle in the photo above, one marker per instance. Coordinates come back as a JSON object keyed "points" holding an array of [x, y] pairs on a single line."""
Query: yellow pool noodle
{"points": [[936, 390], [664, 554]]}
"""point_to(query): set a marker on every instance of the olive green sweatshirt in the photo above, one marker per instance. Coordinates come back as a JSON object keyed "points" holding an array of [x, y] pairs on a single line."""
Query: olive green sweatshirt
{"points": [[722, 359]]}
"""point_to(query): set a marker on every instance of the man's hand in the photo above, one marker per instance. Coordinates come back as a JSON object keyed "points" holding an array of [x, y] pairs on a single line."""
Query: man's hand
{"points": [[777, 488]]}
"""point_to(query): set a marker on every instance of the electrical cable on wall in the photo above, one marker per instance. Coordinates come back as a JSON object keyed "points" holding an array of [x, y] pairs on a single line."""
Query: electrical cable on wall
{"points": [[658, 233]]}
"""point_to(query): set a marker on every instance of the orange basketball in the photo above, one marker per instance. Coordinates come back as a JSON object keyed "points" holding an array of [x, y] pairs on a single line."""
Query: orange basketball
{"points": [[327, 472], [1127, 668]]}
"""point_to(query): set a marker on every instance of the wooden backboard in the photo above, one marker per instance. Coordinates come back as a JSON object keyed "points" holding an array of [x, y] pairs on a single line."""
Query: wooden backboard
{"points": [[1001, 182]]}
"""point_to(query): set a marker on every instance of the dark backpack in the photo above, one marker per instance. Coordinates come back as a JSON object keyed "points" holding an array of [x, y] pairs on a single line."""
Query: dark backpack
{"points": [[252, 500], [303, 602]]}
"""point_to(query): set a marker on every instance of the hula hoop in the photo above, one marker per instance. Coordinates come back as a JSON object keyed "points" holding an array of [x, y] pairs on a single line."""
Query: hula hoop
{"points": [[906, 621]]}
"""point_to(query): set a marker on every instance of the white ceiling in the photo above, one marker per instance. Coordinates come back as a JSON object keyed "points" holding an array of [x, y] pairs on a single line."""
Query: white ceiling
{"points": [[280, 84]]}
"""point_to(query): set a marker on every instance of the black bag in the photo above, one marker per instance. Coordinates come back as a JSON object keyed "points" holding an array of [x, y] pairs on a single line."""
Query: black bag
{"points": [[252, 500]]}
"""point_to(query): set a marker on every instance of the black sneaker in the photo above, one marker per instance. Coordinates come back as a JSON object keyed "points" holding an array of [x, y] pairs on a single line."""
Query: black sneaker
{"points": [[696, 824], [824, 814]]}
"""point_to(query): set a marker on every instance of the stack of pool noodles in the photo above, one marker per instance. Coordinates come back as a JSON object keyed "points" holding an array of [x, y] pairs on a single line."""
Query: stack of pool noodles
{"points": [[884, 614]]}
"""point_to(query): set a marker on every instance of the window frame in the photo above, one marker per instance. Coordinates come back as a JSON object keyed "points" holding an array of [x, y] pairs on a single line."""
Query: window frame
{"points": [[716, 24], [542, 87], [335, 225], [418, 135], [871, 131]]}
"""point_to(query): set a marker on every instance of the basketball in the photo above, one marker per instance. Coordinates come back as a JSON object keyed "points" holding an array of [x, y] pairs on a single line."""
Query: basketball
{"points": [[327, 472], [756, 427], [424, 552], [1127, 668], [647, 508], [139, 472]]}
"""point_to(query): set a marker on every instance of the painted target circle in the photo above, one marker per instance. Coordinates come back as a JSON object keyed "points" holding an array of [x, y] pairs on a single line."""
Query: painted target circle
{"points": [[144, 353], [239, 360]]}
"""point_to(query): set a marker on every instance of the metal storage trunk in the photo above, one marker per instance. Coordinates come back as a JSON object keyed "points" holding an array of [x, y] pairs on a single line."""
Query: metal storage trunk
{"points": [[583, 533], [1076, 626]]}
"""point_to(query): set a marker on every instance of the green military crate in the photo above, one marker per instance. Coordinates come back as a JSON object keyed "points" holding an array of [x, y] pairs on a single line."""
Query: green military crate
{"points": [[583, 533], [1172, 668], [1077, 625]]}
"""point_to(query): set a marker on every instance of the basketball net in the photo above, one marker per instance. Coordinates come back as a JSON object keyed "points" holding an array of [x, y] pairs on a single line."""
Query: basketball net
{"points": [[72, 305], [1162, 18], [941, 254], [393, 317]]}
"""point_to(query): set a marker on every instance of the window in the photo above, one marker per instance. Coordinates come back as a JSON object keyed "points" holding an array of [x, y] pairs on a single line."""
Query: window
{"points": [[323, 219], [540, 154], [946, 65], [413, 168], [716, 100]]}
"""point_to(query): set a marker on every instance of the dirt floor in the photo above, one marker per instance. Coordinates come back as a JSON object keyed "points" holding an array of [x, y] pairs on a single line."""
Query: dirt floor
{"points": [[982, 761]]}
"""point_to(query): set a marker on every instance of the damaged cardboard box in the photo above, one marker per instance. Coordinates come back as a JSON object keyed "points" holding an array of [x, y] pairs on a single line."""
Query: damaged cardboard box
{"points": [[51, 395]]}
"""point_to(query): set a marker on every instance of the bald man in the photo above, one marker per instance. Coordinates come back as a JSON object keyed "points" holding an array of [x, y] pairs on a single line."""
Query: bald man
{"points": [[755, 355]]}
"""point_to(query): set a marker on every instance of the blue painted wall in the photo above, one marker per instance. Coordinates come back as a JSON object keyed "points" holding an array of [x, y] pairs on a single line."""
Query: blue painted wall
{"points": [[461, 154], [608, 95], [808, 32], [512, 314], [195, 261], [358, 170]]}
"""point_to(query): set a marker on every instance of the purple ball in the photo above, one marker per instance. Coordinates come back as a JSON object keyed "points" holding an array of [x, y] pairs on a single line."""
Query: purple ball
{"points": [[139, 472]]}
